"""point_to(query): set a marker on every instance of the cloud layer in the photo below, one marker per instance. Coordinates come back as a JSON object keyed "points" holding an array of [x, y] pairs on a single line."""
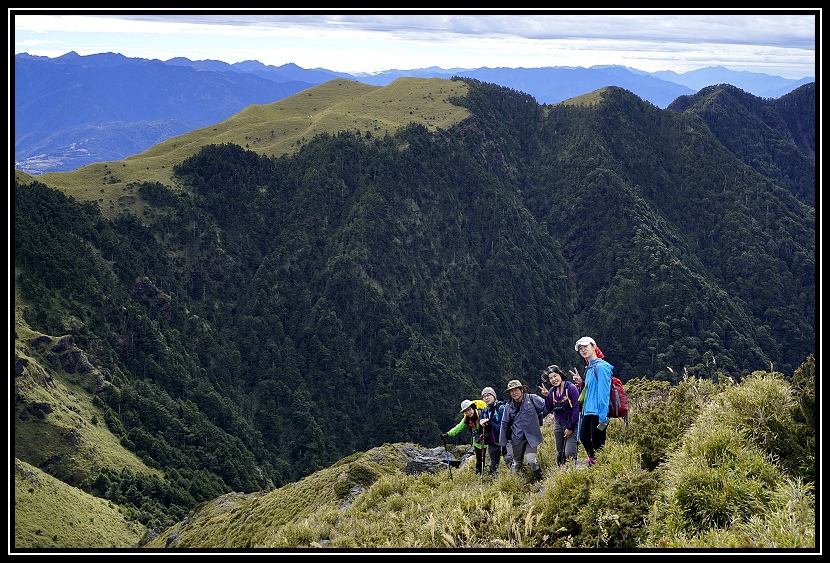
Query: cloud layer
{"points": [[781, 44]]}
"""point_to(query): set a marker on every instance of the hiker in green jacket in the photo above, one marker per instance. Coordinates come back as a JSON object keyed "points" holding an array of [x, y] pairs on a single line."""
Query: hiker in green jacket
{"points": [[472, 421]]}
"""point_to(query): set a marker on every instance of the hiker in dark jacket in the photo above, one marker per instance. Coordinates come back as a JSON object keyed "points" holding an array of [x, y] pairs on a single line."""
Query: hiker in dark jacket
{"points": [[597, 397], [562, 399], [491, 418], [520, 426], [472, 421]]}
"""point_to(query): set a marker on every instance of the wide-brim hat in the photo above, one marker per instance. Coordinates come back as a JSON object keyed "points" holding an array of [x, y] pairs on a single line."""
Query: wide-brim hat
{"points": [[465, 404], [514, 383]]}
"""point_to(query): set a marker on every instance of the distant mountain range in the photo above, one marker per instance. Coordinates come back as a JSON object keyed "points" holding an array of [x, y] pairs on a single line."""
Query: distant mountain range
{"points": [[74, 110]]}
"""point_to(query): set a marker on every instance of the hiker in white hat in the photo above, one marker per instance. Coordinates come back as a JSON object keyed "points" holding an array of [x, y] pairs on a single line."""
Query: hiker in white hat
{"points": [[597, 397], [472, 420]]}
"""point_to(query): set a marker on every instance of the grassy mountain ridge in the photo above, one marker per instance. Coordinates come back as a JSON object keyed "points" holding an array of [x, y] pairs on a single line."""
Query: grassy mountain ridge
{"points": [[74, 110], [357, 504], [272, 129], [391, 271]]}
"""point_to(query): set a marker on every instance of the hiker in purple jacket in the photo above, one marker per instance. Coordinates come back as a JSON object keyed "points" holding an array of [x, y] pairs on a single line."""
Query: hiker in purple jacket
{"points": [[562, 399]]}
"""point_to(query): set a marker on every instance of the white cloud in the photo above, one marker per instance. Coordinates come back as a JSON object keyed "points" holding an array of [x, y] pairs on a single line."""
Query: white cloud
{"points": [[775, 43]]}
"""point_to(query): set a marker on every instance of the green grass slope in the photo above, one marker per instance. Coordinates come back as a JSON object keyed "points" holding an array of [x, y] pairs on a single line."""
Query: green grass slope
{"points": [[56, 426], [55, 423], [49, 514], [240, 521]]}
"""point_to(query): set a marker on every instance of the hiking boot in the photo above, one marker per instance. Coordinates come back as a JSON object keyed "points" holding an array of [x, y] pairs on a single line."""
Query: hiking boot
{"points": [[537, 475], [591, 461]]}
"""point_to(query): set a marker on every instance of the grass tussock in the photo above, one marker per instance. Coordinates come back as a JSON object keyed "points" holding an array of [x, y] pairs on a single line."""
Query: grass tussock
{"points": [[729, 480]]}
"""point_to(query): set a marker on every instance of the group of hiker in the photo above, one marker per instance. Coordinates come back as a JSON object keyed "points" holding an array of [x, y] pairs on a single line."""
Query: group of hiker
{"points": [[511, 429]]}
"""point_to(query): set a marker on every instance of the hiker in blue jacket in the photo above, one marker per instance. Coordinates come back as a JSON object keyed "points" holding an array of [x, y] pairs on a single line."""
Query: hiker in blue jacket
{"points": [[597, 397], [562, 399], [491, 418], [520, 426]]}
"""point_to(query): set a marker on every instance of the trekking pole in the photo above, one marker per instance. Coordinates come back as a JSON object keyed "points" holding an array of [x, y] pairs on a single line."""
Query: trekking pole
{"points": [[446, 451], [483, 457]]}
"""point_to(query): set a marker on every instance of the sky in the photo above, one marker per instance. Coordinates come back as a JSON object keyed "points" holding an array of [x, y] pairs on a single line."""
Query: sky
{"points": [[776, 42]]}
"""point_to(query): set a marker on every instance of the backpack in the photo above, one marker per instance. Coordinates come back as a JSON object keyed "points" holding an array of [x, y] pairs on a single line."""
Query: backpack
{"points": [[495, 420], [618, 405], [480, 406], [541, 413], [567, 395]]}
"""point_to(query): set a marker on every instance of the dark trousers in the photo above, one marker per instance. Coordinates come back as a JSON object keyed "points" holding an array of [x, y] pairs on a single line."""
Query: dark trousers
{"points": [[496, 453], [591, 437]]}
